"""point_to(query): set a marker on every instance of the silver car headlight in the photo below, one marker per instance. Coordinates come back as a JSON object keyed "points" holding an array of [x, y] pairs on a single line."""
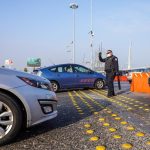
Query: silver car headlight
{"points": [[37, 83]]}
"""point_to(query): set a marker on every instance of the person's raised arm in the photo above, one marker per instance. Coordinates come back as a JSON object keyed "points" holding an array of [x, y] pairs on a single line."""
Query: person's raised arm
{"points": [[100, 57]]}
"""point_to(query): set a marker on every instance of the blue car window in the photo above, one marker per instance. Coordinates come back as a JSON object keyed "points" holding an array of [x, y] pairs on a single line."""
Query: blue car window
{"points": [[60, 69], [81, 69]]}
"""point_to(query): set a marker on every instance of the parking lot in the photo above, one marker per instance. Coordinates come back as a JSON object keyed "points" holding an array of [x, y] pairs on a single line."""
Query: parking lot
{"points": [[88, 120]]}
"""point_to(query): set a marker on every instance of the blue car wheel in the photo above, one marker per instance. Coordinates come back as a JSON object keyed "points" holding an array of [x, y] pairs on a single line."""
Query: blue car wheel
{"points": [[99, 84], [55, 86]]}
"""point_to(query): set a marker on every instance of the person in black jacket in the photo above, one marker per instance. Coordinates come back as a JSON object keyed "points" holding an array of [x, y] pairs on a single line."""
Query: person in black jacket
{"points": [[111, 69]]}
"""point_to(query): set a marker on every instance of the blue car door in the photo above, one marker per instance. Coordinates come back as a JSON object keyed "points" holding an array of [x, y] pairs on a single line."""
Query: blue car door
{"points": [[66, 76], [84, 76]]}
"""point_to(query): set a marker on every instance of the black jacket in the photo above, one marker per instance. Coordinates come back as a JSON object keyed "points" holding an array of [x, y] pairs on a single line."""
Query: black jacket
{"points": [[111, 63]]}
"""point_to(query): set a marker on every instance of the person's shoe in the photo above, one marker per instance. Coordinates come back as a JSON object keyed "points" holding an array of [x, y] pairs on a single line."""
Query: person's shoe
{"points": [[109, 96]]}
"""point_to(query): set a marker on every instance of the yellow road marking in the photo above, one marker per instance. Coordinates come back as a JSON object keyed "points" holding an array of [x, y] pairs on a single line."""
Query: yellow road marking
{"points": [[94, 138], [75, 104], [85, 102], [110, 99], [117, 136], [127, 101], [127, 146], [100, 148], [93, 100]]}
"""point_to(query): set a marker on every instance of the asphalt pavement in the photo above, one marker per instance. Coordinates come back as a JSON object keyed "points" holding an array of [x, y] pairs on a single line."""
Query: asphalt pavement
{"points": [[88, 120]]}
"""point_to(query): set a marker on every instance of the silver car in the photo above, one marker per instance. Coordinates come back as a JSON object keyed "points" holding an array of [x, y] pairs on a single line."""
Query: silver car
{"points": [[25, 100]]}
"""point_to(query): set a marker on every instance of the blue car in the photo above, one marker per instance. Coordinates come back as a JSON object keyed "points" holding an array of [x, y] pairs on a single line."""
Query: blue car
{"points": [[72, 76]]}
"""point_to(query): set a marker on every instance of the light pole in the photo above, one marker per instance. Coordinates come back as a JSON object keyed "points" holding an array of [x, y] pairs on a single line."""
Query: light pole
{"points": [[91, 35], [73, 6]]}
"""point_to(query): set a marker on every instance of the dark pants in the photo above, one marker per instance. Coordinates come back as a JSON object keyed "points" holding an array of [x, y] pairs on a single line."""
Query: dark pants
{"points": [[110, 83]]}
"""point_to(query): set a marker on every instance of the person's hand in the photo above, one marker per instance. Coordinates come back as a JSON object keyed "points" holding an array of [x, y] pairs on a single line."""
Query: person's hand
{"points": [[100, 53]]}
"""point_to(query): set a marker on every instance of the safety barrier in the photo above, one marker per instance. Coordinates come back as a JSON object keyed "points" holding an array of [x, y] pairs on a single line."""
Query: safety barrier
{"points": [[140, 82], [122, 78]]}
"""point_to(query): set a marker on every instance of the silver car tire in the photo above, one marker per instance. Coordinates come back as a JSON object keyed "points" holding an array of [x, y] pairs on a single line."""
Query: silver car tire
{"points": [[99, 84], [10, 118]]}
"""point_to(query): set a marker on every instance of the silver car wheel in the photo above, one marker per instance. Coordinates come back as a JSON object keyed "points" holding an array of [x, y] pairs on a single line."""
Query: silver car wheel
{"points": [[6, 119]]}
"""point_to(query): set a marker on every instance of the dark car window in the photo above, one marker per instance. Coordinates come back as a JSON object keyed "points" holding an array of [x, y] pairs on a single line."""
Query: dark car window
{"points": [[54, 69], [81, 69], [68, 68]]}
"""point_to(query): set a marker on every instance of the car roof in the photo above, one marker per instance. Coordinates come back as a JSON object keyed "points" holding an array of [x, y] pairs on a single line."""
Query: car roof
{"points": [[58, 65]]}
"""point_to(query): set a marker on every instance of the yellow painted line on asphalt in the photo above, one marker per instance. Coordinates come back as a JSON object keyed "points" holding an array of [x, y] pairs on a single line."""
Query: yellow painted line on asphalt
{"points": [[132, 101], [105, 124], [93, 100], [110, 99], [80, 111], [120, 99], [127, 102], [85, 102], [108, 110], [129, 127]]}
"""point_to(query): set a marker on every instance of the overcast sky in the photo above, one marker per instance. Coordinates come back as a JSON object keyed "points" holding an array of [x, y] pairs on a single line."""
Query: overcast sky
{"points": [[43, 28]]}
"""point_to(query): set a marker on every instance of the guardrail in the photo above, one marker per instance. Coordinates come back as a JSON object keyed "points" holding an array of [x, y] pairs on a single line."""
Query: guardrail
{"points": [[140, 82]]}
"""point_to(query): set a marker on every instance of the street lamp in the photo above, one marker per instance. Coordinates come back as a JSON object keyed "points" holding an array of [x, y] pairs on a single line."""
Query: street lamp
{"points": [[73, 6], [91, 35]]}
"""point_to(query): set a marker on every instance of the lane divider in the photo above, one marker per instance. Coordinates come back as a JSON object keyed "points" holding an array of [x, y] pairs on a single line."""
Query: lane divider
{"points": [[80, 111], [132, 101], [93, 100], [110, 99], [92, 109], [111, 129]]}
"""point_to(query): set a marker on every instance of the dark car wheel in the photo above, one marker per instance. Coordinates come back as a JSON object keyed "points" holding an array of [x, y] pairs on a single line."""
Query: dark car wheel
{"points": [[99, 84], [55, 86], [10, 119]]}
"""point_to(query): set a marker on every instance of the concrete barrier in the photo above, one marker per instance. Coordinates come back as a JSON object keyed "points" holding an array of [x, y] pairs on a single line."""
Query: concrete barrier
{"points": [[140, 82]]}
